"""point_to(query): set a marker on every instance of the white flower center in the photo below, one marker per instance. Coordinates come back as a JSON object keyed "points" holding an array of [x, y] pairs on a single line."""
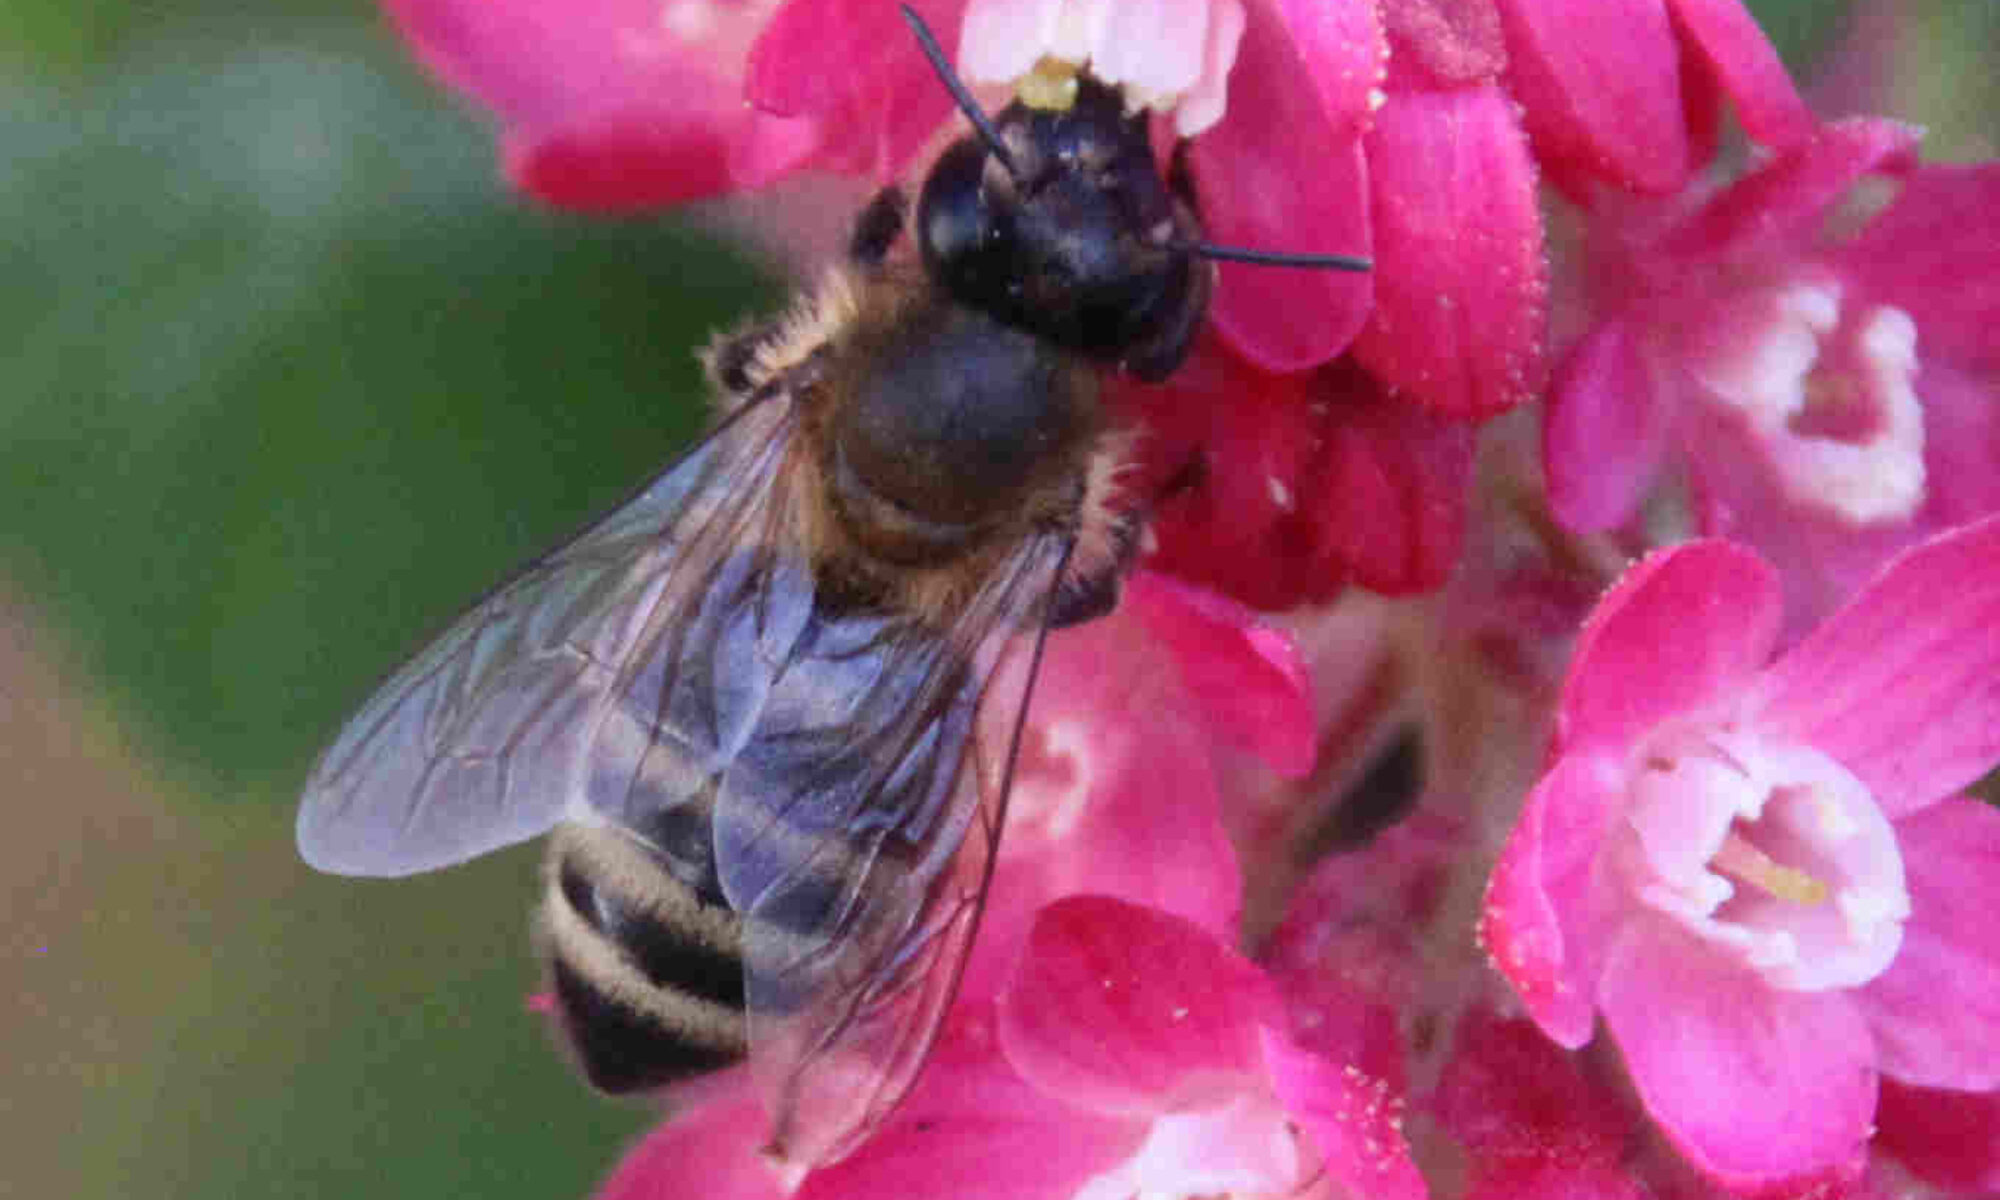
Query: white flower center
{"points": [[1243, 1146], [1167, 55], [1770, 851], [1829, 397]]}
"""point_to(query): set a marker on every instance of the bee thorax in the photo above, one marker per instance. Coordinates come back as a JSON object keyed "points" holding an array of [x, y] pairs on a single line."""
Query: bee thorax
{"points": [[953, 427]]}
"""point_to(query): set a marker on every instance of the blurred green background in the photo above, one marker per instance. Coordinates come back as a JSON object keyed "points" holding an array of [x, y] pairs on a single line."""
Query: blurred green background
{"points": [[286, 377]]}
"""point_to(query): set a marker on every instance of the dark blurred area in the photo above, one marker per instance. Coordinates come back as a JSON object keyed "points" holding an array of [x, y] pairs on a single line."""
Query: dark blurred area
{"points": [[289, 377]]}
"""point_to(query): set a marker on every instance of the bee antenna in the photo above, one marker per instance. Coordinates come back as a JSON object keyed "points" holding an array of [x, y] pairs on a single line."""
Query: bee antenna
{"points": [[959, 92], [1279, 258]]}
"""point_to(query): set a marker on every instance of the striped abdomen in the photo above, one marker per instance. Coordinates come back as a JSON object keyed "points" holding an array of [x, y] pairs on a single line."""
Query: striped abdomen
{"points": [[647, 970]]}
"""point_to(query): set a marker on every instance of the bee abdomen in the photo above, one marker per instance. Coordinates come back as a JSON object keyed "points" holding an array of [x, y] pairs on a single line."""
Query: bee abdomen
{"points": [[647, 972]]}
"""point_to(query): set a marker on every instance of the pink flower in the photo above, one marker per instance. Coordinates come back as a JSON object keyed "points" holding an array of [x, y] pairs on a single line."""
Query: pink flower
{"points": [[1133, 716], [1122, 1012], [1950, 1138], [1130, 1052], [1302, 483], [614, 104], [1831, 400], [1760, 875], [1529, 1119], [1627, 93]]}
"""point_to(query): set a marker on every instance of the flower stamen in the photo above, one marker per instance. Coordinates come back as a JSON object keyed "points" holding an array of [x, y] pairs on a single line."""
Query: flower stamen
{"points": [[1741, 860]]}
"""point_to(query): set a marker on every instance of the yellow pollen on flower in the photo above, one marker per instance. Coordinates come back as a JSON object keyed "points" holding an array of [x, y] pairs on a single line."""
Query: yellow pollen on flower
{"points": [[1050, 86], [1742, 861]]}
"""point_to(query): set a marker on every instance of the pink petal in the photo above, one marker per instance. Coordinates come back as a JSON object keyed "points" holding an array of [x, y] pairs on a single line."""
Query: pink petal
{"points": [[1128, 1011], [605, 107], [1704, 102], [1903, 685], [1936, 1010], [1309, 477], [1675, 633], [1443, 43], [1604, 432], [540, 65], [1277, 174], [1562, 1181], [1936, 253], [1389, 505], [621, 164], [1247, 676], [1538, 924], [1823, 560], [972, 1128], [1113, 740], [1461, 288], [1509, 1093], [1753, 1085], [1961, 444], [1746, 64], [1341, 47], [1394, 883], [1950, 1138], [815, 54], [1781, 207], [1236, 529], [858, 65], [708, 1149], [1600, 84], [1355, 1122]]}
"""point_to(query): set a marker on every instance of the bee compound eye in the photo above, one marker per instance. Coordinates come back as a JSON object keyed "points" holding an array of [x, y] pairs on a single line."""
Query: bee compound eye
{"points": [[955, 226]]}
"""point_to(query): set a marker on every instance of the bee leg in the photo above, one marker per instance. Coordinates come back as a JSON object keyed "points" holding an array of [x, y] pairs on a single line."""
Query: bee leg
{"points": [[728, 359], [1088, 595], [878, 227]]}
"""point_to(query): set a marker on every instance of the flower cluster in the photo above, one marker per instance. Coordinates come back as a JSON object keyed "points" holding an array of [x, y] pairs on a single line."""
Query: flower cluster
{"points": [[1647, 853]]}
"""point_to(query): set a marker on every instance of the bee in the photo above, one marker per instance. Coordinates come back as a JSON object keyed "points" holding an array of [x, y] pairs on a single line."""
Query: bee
{"points": [[745, 704]]}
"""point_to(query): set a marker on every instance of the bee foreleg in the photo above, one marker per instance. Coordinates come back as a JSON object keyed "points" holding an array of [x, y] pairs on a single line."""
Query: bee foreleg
{"points": [[729, 357], [878, 227], [1088, 591]]}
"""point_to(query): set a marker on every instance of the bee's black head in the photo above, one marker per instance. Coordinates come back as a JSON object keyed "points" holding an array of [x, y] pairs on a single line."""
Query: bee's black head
{"points": [[1075, 238]]}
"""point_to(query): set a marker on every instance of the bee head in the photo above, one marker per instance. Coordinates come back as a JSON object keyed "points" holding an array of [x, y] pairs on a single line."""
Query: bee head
{"points": [[1071, 234]]}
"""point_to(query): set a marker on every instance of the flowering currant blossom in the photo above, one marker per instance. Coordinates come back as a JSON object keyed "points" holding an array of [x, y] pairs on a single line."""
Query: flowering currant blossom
{"points": [[1530, 1120], [1830, 400], [1405, 131], [1308, 481], [1108, 1039], [1760, 874], [1746, 851]]}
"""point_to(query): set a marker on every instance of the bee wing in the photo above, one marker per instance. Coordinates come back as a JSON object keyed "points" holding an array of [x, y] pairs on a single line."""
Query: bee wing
{"points": [[838, 838], [484, 738]]}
